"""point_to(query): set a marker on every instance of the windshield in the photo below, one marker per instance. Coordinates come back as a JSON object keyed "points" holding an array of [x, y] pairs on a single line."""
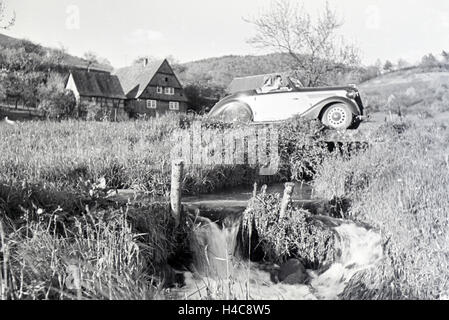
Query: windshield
{"points": [[296, 83]]}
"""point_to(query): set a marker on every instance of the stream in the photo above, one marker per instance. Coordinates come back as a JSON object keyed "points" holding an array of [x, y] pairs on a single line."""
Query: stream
{"points": [[219, 273]]}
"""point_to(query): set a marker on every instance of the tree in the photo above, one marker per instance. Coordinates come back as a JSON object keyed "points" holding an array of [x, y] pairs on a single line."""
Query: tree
{"points": [[141, 59], [388, 66], [369, 73], [3, 76], [429, 61], [93, 59], [402, 64], [10, 21], [317, 52], [56, 101], [445, 55], [379, 65], [90, 110]]}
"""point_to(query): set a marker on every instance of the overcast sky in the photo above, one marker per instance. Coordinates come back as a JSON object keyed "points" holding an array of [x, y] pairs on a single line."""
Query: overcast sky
{"points": [[121, 30]]}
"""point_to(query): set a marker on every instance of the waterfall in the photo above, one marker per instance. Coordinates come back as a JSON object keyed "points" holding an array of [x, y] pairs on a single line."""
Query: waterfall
{"points": [[221, 275], [214, 247], [360, 249]]}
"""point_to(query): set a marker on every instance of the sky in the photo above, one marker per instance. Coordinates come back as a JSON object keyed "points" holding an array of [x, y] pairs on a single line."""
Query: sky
{"points": [[190, 30]]}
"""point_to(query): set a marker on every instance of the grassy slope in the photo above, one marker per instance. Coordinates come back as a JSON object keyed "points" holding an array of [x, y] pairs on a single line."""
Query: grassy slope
{"points": [[414, 91], [400, 187]]}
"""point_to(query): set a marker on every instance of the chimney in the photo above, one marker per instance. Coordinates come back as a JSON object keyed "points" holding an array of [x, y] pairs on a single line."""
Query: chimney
{"points": [[145, 62]]}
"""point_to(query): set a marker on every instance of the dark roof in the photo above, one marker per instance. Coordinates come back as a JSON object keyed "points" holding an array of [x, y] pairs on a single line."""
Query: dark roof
{"points": [[250, 83], [136, 78], [98, 84]]}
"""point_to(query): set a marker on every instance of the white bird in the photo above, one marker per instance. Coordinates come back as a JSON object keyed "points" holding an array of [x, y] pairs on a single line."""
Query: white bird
{"points": [[11, 123]]}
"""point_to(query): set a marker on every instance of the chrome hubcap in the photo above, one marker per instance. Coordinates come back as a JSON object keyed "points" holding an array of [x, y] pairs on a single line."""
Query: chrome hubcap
{"points": [[337, 116]]}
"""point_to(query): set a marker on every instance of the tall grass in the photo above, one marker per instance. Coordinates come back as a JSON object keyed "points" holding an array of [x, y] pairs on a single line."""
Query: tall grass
{"points": [[113, 254], [128, 155], [400, 187]]}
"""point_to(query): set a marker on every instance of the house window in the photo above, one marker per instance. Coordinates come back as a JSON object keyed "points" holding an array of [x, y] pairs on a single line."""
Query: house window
{"points": [[170, 91], [151, 104], [159, 90], [173, 106]]}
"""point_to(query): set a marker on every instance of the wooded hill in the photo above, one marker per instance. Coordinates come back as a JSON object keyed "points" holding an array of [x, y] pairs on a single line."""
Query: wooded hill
{"points": [[7, 42]]}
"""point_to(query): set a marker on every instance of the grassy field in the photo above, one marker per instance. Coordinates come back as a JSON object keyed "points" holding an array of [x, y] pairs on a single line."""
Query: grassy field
{"points": [[58, 232], [55, 218]]}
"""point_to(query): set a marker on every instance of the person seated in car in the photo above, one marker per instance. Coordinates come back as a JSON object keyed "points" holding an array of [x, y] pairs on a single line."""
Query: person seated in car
{"points": [[275, 85]]}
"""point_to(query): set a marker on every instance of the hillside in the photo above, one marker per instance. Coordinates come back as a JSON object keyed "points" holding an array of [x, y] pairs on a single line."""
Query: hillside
{"points": [[423, 91], [7, 41], [219, 72], [68, 60]]}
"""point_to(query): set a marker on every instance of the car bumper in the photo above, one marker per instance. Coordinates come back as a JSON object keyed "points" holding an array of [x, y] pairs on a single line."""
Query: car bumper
{"points": [[362, 118]]}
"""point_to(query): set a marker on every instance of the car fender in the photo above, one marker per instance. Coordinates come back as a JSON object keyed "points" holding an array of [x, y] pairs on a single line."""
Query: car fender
{"points": [[222, 107], [316, 111]]}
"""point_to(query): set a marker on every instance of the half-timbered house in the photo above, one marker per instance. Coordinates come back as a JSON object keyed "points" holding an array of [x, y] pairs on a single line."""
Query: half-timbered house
{"points": [[152, 89]]}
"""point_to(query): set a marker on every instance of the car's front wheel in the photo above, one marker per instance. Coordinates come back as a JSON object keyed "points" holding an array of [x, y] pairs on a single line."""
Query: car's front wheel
{"points": [[338, 116]]}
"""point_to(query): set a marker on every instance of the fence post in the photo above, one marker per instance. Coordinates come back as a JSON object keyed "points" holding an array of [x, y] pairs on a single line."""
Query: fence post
{"points": [[286, 199], [255, 190], [176, 189]]}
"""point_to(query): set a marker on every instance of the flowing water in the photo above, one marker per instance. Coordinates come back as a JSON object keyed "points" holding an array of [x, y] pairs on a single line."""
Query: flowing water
{"points": [[220, 274]]}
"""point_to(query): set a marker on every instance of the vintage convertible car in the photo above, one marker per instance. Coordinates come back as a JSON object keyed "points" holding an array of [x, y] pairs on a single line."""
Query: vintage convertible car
{"points": [[281, 97]]}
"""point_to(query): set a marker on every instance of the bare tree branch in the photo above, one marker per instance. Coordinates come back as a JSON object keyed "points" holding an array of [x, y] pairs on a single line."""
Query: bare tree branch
{"points": [[10, 21], [316, 49]]}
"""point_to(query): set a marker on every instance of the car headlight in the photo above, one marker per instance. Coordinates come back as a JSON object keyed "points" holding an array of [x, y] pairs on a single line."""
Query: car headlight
{"points": [[352, 94]]}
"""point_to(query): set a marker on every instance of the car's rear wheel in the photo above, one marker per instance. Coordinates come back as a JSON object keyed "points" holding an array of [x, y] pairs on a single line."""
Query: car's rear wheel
{"points": [[338, 116]]}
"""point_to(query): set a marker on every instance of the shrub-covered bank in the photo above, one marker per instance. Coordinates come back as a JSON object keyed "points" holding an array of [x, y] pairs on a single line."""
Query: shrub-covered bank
{"points": [[400, 187], [275, 239]]}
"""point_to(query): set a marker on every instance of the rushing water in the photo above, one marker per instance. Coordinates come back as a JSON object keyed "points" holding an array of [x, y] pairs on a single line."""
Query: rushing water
{"points": [[220, 274]]}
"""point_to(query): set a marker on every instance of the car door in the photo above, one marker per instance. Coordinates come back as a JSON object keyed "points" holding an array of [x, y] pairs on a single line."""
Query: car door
{"points": [[278, 106]]}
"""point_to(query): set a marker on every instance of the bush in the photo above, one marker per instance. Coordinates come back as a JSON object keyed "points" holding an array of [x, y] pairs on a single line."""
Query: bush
{"points": [[90, 111], [302, 147], [298, 235], [55, 101]]}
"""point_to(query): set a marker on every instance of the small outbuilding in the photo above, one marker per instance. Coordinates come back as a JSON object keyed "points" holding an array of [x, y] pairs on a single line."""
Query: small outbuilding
{"points": [[98, 87]]}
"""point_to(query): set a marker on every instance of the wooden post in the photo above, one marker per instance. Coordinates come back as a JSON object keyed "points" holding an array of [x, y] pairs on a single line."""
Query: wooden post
{"points": [[176, 189], [255, 190], [263, 190], [288, 191]]}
